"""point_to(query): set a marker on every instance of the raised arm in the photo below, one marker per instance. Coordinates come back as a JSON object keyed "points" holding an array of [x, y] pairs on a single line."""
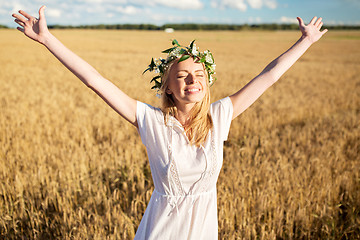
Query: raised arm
{"points": [[256, 87], [37, 30]]}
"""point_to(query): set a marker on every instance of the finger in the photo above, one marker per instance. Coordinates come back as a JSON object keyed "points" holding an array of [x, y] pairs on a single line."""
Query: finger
{"points": [[313, 20], [19, 17], [301, 22], [324, 31], [20, 29], [318, 21], [20, 22], [41, 12], [25, 14], [320, 25]]}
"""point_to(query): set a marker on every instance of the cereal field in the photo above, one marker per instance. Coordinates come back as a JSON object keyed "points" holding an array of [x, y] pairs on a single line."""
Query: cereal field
{"points": [[71, 168]]}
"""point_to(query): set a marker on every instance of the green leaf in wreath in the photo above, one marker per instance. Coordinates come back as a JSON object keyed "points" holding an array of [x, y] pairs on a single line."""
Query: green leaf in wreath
{"points": [[152, 64], [191, 45], [175, 42], [154, 78], [184, 57], [146, 70], [169, 50], [182, 51], [202, 60]]}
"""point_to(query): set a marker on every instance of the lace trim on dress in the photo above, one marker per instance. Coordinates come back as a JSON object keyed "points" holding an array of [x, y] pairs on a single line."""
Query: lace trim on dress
{"points": [[213, 164], [173, 174]]}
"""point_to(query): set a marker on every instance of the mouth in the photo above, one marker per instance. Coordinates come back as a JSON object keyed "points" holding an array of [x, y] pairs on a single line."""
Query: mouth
{"points": [[192, 90]]}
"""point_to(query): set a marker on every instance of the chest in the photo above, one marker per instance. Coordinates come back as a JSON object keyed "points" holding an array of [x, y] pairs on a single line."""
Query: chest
{"points": [[191, 162]]}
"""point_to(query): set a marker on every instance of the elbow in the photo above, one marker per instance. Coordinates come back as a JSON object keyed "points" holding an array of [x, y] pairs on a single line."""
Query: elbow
{"points": [[92, 81], [274, 78], [270, 77], [91, 84]]}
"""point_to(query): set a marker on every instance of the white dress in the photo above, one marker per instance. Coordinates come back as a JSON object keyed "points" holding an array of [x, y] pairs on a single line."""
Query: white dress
{"points": [[183, 204]]}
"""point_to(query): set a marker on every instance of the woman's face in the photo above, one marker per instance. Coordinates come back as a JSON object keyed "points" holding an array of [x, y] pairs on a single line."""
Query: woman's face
{"points": [[187, 82]]}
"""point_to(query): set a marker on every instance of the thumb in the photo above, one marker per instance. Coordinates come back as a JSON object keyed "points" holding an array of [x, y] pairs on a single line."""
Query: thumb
{"points": [[41, 12], [301, 22]]}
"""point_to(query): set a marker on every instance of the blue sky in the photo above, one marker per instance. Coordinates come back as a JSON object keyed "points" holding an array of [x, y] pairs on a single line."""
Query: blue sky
{"points": [[158, 12]]}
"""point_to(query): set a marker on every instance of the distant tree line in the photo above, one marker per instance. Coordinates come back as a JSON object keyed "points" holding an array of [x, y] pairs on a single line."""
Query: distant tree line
{"points": [[200, 27], [197, 27]]}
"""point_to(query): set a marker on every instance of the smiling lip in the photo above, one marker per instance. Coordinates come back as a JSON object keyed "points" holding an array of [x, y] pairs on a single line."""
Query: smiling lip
{"points": [[192, 90]]}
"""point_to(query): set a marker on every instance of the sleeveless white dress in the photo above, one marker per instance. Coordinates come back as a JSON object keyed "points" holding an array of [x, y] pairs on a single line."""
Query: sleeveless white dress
{"points": [[184, 202]]}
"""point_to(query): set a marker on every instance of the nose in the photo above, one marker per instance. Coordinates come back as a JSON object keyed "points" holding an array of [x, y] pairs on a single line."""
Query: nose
{"points": [[190, 79]]}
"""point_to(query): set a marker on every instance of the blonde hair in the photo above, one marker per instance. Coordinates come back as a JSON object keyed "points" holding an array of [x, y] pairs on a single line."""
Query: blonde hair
{"points": [[200, 122]]}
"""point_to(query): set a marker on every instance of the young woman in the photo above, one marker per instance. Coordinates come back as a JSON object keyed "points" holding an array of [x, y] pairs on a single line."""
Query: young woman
{"points": [[184, 139]]}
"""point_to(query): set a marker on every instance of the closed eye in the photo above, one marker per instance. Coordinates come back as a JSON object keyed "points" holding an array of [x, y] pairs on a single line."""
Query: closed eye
{"points": [[181, 76]]}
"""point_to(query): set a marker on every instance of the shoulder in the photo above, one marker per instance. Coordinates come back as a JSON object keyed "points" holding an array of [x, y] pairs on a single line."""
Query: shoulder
{"points": [[143, 108], [221, 113], [146, 112], [221, 106], [150, 121]]}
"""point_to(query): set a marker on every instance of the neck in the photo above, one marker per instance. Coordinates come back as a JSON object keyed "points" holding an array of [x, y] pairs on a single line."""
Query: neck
{"points": [[183, 113]]}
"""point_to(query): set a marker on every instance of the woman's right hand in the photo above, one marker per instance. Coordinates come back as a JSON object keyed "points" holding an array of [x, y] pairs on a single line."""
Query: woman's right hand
{"points": [[32, 27]]}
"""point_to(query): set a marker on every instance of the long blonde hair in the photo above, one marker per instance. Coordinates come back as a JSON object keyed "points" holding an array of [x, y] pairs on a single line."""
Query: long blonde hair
{"points": [[200, 122]]}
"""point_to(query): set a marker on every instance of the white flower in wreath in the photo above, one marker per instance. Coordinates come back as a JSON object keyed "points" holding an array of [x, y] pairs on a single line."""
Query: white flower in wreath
{"points": [[194, 51], [213, 66], [211, 79], [208, 58], [175, 53], [157, 62]]}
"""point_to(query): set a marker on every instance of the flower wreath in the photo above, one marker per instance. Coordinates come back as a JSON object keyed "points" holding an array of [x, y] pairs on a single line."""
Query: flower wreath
{"points": [[160, 65]]}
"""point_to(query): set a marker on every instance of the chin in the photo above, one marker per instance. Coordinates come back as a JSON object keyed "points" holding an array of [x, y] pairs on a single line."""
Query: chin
{"points": [[194, 98]]}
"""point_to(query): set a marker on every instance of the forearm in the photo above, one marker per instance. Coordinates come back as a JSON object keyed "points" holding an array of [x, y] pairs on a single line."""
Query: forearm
{"points": [[282, 63], [247, 95], [84, 71], [36, 29]]}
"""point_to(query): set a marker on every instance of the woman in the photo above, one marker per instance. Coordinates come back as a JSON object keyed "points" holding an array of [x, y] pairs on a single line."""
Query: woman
{"points": [[184, 139]]}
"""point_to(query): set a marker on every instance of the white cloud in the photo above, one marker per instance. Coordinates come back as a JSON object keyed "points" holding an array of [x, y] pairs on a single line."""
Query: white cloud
{"points": [[181, 4], [214, 4], [285, 19], [102, 1], [53, 12], [127, 10], [92, 1], [255, 3], [237, 4], [242, 5], [3, 12], [272, 4], [17, 6]]}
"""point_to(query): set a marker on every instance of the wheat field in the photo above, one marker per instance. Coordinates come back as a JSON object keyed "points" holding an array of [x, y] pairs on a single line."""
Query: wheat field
{"points": [[71, 168]]}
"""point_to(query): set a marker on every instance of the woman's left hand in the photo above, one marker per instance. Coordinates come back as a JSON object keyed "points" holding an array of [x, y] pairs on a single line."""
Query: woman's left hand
{"points": [[312, 30]]}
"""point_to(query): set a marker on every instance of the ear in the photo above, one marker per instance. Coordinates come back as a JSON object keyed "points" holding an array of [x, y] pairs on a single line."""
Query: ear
{"points": [[168, 91]]}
